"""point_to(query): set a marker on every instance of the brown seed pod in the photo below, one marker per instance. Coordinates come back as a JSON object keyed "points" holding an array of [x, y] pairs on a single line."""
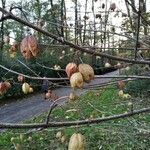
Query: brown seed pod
{"points": [[77, 142], [86, 71], [20, 78], [8, 85], [121, 85], [29, 47], [71, 68], [3, 88], [76, 80]]}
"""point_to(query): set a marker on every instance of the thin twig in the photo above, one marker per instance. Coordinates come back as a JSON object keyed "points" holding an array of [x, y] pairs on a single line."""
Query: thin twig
{"points": [[52, 106], [28, 68]]}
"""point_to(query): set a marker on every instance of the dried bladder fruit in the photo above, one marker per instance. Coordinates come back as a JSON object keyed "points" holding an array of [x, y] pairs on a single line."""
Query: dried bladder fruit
{"points": [[72, 96], [126, 96], [77, 142], [3, 88], [7, 84], [63, 139], [121, 85], [71, 68], [118, 65], [25, 88], [29, 47], [30, 90], [76, 80], [20, 78], [121, 93], [107, 65], [87, 72], [59, 134], [48, 95]]}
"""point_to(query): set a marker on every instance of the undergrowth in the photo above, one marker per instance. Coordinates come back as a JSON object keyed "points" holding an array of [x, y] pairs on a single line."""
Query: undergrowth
{"points": [[126, 134]]}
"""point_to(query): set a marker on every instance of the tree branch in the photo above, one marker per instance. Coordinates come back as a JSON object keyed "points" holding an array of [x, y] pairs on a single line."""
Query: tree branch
{"points": [[74, 123], [71, 44], [52, 106], [59, 79]]}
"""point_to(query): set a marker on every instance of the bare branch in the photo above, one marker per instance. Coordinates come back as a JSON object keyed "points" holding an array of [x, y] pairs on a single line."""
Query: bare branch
{"points": [[63, 41], [74, 123], [53, 105]]}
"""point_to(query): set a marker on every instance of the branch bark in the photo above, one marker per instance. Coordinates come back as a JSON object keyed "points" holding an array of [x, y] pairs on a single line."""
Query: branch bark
{"points": [[74, 123], [89, 51]]}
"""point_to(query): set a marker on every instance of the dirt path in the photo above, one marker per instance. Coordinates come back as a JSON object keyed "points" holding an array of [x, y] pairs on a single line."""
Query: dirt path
{"points": [[21, 110]]}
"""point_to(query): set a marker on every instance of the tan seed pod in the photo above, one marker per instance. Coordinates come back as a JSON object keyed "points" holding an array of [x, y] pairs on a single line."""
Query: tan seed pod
{"points": [[87, 72], [71, 68], [29, 47], [77, 142], [76, 80]]}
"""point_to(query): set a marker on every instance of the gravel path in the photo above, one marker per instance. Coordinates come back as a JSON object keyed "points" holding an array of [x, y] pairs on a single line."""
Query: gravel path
{"points": [[19, 111]]}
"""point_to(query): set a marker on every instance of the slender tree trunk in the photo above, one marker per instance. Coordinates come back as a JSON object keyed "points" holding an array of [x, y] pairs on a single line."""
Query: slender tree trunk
{"points": [[84, 32], [105, 25], [135, 18], [129, 15], [94, 34], [54, 28], [2, 33], [39, 17], [143, 11], [62, 18], [80, 30], [66, 32], [76, 20]]}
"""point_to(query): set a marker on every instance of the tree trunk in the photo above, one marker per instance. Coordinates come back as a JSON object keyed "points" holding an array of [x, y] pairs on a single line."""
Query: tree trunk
{"points": [[66, 32], [143, 11], [76, 20], [62, 18], [39, 17], [2, 33], [84, 32], [94, 35], [54, 29]]}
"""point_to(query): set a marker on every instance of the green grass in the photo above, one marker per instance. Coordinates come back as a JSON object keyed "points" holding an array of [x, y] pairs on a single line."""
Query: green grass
{"points": [[126, 134]]}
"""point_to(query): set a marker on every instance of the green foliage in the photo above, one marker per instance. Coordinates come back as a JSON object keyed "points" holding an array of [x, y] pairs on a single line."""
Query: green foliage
{"points": [[48, 57], [112, 135], [138, 87]]}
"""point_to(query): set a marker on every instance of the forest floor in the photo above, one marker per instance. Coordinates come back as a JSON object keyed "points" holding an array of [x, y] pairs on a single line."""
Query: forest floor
{"points": [[20, 110]]}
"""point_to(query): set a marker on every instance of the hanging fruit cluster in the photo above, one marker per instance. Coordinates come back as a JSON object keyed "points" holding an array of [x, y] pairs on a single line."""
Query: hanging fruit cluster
{"points": [[29, 47], [78, 75]]}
